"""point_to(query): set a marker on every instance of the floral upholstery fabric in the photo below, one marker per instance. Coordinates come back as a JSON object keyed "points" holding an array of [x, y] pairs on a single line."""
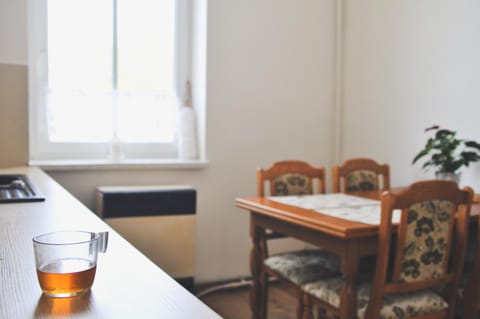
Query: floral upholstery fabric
{"points": [[304, 266], [423, 257], [426, 242], [292, 184], [361, 180], [395, 306]]}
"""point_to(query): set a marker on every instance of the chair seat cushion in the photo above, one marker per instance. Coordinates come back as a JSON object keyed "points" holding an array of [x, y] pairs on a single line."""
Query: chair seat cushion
{"points": [[304, 266], [398, 305]]}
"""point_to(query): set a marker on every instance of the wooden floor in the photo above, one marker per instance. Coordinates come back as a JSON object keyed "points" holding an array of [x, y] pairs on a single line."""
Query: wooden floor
{"points": [[233, 303]]}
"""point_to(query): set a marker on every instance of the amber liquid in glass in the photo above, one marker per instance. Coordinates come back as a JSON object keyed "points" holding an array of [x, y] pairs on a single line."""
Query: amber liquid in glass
{"points": [[66, 278]]}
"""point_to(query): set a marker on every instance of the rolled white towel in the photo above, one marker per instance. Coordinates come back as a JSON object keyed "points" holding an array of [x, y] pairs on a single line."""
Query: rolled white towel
{"points": [[187, 137]]}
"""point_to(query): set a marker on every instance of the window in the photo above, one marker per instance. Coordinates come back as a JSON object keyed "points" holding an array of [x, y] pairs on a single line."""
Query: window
{"points": [[105, 77]]}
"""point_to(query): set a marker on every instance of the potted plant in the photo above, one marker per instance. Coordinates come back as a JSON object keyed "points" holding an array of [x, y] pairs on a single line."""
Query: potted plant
{"points": [[448, 153]]}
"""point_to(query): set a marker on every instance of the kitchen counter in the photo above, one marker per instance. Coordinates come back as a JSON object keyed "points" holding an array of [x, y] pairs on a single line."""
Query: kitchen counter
{"points": [[127, 284]]}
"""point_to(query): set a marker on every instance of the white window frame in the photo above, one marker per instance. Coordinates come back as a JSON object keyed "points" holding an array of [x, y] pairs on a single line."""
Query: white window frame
{"points": [[41, 149]]}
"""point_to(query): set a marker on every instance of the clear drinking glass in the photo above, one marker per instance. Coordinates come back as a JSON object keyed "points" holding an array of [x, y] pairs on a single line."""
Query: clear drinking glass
{"points": [[66, 261]]}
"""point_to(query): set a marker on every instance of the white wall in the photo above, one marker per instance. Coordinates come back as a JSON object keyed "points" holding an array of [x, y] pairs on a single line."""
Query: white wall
{"points": [[269, 96], [410, 64], [13, 31]]}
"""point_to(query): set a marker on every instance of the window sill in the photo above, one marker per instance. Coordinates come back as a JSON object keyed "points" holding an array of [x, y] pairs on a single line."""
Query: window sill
{"points": [[69, 165]]}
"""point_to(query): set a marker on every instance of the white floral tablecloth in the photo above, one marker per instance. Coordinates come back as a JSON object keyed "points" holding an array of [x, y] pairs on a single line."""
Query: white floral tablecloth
{"points": [[339, 205]]}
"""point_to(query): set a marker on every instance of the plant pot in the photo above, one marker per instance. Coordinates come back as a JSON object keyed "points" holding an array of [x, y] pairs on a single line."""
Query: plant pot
{"points": [[449, 176]]}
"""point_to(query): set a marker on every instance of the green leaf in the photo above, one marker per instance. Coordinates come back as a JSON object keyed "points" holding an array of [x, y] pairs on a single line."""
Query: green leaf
{"points": [[469, 157], [444, 133], [425, 151], [427, 164], [473, 144], [454, 166], [420, 155], [433, 127]]}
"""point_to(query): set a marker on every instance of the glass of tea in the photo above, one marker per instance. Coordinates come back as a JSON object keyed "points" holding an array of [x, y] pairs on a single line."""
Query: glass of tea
{"points": [[66, 261]]}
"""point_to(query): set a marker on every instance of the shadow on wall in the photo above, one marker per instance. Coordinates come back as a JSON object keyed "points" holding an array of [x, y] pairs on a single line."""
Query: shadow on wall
{"points": [[13, 115]]}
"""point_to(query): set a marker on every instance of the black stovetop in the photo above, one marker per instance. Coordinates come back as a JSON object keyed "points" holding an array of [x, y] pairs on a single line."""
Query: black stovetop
{"points": [[17, 188]]}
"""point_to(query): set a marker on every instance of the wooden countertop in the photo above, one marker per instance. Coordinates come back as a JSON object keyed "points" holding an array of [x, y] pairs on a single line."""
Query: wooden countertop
{"points": [[127, 284]]}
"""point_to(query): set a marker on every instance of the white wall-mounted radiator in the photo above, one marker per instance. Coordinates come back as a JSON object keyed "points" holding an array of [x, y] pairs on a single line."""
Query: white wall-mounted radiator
{"points": [[158, 220]]}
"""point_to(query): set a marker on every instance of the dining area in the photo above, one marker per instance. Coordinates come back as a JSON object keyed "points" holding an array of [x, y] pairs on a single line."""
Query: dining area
{"points": [[374, 251]]}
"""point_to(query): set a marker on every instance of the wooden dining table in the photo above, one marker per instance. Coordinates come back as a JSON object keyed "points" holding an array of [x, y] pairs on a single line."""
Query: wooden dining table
{"points": [[127, 284], [349, 239]]}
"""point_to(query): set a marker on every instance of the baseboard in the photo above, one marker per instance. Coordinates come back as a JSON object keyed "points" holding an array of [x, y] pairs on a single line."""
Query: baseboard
{"points": [[187, 282], [210, 287]]}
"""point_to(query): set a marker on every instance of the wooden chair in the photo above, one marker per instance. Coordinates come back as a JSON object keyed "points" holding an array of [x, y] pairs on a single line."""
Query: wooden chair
{"points": [[294, 267], [290, 178], [470, 292], [360, 174], [422, 278]]}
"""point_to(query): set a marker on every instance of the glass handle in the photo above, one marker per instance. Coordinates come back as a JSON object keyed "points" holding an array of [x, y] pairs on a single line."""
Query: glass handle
{"points": [[102, 241]]}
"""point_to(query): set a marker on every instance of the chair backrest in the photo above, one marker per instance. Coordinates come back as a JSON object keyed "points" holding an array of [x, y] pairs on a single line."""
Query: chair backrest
{"points": [[431, 242], [360, 174], [471, 290], [290, 178]]}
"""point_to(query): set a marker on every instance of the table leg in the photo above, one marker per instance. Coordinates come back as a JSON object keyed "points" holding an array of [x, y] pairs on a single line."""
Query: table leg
{"points": [[350, 271], [258, 293], [471, 294]]}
